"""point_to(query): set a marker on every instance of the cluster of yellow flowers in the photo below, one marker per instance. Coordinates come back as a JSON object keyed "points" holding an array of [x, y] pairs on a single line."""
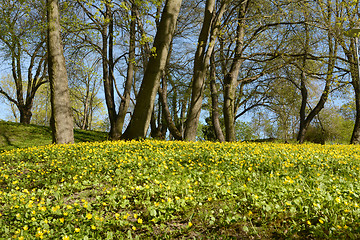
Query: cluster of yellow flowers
{"points": [[91, 188]]}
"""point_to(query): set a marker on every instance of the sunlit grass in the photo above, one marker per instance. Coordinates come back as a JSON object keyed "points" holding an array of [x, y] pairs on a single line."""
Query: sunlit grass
{"points": [[17, 135], [148, 189]]}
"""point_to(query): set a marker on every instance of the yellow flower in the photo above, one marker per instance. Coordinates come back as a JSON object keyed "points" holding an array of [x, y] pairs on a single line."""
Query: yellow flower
{"points": [[93, 227], [308, 222], [190, 224], [42, 208], [77, 230], [66, 237], [62, 220], [321, 221], [140, 221], [134, 228], [25, 228], [21, 238], [89, 216]]}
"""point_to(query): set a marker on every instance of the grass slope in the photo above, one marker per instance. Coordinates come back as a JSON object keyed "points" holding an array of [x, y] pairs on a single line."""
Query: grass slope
{"points": [[16, 135], [180, 190]]}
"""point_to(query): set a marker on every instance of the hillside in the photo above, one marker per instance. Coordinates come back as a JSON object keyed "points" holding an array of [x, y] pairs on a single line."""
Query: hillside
{"points": [[180, 190], [16, 135]]}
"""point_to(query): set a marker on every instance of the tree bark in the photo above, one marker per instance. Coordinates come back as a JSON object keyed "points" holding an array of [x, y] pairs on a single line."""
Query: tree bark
{"points": [[166, 112], [140, 120], [304, 93], [355, 136], [305, 121], [215, 116], [210, 29], [62, 121], [230, 81], [125, 99], [107, 69]]}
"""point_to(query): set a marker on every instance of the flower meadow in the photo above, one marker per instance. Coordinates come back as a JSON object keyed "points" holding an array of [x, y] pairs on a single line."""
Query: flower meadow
{"points": [[178, 190]]}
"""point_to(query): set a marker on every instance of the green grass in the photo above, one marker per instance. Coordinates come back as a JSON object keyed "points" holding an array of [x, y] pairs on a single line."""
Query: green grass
{"points": [[16, 135], [180, 190]]}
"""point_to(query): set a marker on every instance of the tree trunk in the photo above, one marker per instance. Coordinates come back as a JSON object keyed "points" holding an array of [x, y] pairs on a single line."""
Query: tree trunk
{"points": [[140, 120], [25, 114], [201, 64], [125, 99], [230, 81], [62, 121], [108, 69], [166, 112], [214, 101], [304, 95], [355, 137], [305, 121]]}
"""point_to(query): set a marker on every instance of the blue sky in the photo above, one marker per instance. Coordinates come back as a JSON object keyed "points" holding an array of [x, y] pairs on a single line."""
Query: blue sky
{"points": [[4, 111]]}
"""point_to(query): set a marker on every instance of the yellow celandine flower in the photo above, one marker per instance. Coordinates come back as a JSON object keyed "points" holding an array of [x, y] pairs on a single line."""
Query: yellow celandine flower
{"points": [[140, 221], [54, 209], [134, 228], [62, 220], [39, 234], [190, 224], [308, 222], [321, 221], [77, 230], [25, 228], [93, 227], [66, 237], [21, 238], [42, 208], [89, 216]]}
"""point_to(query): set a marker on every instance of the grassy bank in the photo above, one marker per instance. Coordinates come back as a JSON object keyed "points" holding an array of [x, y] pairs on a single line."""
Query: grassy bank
{"points": [[176, 190], [16, 135]]}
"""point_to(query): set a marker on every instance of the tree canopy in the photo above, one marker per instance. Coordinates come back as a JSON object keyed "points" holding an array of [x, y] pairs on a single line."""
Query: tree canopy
{"points": [[193, 69]]}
